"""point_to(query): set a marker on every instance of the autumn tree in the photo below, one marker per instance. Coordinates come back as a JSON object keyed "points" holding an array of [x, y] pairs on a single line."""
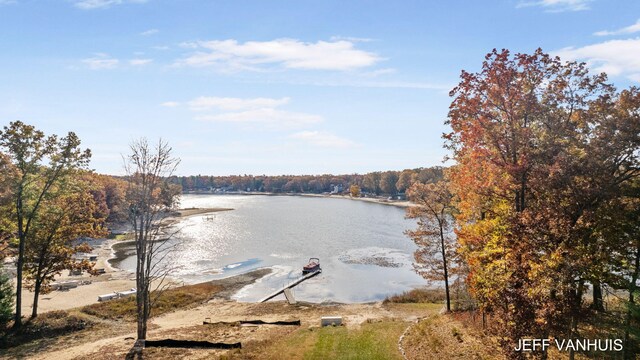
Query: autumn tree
{"points": [[541, 147], [436, 253], [40, 161], [354, 191], [388, 181], [371, 182], [404, 180], [70, 211], [148, 169]]}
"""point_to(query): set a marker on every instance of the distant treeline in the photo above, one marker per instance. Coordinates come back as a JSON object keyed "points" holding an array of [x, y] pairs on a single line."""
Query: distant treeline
{"points": [[379, 182]]}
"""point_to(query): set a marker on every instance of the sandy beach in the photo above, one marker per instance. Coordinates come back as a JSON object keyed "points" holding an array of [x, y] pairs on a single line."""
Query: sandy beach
{"points": [[112, 280]]}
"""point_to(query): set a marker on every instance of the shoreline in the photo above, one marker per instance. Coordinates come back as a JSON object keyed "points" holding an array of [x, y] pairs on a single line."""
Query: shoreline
{"points": [[114, 279], [397, 203]]}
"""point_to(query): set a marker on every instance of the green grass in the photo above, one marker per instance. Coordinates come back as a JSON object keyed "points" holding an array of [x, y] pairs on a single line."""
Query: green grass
{"points": [[169, 300], [371, 341], [374, 341], [121, 237]]}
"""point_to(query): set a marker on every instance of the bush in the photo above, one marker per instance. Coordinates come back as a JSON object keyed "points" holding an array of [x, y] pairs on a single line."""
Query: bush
{"points": [[6, 299]]}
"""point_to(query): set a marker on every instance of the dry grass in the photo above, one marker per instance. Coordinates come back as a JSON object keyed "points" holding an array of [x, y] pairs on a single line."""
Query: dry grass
{"points": [[436, 296], [47, 325], [170, 300], [442, 337]]}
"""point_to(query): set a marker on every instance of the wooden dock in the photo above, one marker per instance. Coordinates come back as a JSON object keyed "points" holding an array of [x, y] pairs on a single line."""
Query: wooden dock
{"points": [[289, 286]]}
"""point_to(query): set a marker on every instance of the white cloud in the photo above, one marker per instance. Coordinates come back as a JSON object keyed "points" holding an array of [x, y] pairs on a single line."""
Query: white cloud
{"points": [[379, 72], [615, 57], [286, 53], [140, 62], [102, 4], [625, 30], [323, 139], [228, 103], [101, 61], [7, 2], [558, 5], [149, 32], [350, 38], [257, 111], [170, 104], [266, 116], [160, 47], [380, 84]]}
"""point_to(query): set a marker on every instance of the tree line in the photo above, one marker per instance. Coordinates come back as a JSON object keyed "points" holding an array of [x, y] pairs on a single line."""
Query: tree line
{"points": [[540, 215], [376, 183]]}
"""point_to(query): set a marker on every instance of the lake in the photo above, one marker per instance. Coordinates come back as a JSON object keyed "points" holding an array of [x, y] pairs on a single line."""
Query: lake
{"points": [[363, 252]]}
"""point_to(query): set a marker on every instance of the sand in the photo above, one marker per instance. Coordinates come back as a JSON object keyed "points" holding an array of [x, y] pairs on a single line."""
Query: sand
{"points": [[113, 280]]}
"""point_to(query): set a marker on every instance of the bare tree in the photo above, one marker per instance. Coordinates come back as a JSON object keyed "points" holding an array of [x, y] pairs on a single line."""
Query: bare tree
{"points": [[150, 199], [434, 258]]}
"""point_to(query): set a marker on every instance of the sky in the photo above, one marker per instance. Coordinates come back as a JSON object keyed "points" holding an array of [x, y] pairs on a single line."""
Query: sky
{"points": [[280, 87]]}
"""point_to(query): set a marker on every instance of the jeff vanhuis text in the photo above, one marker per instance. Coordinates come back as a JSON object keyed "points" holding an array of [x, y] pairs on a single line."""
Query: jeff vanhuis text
{"points": [[571, 344]]}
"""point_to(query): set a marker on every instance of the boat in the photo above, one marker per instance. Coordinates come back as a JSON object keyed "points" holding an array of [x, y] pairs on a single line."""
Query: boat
{"points": [[312, 266]]}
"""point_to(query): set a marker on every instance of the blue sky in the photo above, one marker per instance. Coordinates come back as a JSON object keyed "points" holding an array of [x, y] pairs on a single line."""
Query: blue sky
{"points": [[280, 87]]}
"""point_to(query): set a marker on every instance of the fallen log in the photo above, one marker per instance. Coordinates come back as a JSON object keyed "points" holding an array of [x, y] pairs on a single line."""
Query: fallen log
{"points": [[254, 322], [191, 344]]}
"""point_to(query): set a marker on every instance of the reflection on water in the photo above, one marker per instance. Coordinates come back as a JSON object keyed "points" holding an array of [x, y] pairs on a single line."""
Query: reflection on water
{"points": [[363, 252]]}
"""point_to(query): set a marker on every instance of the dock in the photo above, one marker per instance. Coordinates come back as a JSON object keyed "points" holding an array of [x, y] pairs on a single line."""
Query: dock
{"points": [[290, 285]]}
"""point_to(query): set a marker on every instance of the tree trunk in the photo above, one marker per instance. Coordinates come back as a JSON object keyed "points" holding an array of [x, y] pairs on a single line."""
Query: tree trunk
{"points": [[444, 264], [598, 304], [575, 313], [628, 352], [36, 290], [140, 287], [21, 238]]}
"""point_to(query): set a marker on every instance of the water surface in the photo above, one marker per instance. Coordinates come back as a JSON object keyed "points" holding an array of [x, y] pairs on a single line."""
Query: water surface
{"points": [[363, 252]]}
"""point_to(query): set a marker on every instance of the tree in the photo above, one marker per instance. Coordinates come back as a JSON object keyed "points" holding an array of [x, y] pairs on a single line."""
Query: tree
{"points": [[388, 181], [354, 191], [68, 213], [148, 169], [541, 149], [436, 253], [404, 180], [6, 299], [371, 182], [28, 150], [8, 175]]}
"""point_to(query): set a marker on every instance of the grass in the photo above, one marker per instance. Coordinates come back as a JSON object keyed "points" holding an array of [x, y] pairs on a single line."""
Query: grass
{"points": [[371, 341], [121, 237], [443, 337], [376, 340], [170, 300]]}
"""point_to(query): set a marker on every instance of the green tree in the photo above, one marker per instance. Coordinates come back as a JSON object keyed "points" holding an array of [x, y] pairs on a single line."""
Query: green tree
{"points": [[6, 299], [41, 161]]}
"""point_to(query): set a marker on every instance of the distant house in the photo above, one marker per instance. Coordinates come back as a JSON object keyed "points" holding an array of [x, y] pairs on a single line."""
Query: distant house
{"points": [[336, 189]]}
